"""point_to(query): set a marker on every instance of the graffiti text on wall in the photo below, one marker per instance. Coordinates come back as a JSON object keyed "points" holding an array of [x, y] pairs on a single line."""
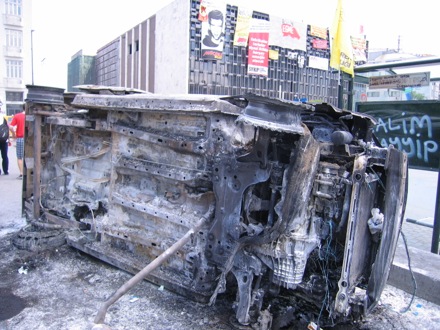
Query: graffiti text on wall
{"points": [[409, 126], [412, 136]]}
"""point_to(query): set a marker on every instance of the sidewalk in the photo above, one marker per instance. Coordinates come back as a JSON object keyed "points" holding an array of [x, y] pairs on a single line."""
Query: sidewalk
{"points": [[424, 264], [10, 197], [420, 206], [425, 267]]}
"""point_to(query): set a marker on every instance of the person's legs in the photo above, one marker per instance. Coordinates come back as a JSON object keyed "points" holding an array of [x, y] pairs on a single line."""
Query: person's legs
{"points": [[20, 155], [20, 166], [4, 153]]}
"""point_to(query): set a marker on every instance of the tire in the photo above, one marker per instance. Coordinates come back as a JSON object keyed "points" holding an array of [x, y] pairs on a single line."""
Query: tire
{"points": [[32, 238]]}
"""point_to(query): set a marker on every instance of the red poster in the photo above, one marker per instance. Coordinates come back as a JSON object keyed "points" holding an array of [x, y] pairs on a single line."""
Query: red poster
{"points": [[258, 54], [319, 44], [203, 13]]}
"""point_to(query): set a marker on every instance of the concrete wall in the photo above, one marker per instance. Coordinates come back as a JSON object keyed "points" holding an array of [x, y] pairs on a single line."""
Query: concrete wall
{"points": [[135, 56], [152, 56], [171, 64], [107, 64]]}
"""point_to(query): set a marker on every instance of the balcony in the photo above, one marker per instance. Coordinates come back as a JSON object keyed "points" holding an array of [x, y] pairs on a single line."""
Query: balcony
{"points": [[13, 82], [9, 51], [12, 20]]}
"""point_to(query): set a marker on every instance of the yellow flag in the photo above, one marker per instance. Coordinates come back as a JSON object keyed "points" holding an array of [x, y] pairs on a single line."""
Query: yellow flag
{"points": [[341, 56]]}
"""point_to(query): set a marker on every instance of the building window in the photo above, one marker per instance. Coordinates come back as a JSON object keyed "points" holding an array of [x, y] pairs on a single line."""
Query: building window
{"points": [[14, 69], [14, 38], [13, 7], [137, 45], [130, 49], [14, 96], [373, 94], [12, 109]]}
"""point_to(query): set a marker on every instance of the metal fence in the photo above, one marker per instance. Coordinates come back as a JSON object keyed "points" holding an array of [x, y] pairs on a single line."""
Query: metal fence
{"points": [[286, 78]]}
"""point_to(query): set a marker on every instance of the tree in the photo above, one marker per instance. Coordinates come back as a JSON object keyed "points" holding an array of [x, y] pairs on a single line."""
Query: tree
{"points": [[417, 96]]}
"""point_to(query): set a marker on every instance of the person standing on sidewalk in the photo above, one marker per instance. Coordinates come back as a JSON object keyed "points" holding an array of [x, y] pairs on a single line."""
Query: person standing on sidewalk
{"points": [[18, 122], [4, 141]]}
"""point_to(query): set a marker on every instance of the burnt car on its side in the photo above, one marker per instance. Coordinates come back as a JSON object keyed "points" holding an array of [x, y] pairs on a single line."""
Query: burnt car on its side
{"points": [[300, 202]]}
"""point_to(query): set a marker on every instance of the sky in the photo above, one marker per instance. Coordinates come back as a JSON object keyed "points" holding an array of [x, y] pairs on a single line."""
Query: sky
{"points": [[62, 28]]}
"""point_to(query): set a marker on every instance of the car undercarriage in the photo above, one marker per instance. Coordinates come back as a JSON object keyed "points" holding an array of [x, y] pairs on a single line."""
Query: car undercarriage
{"points": [[297, 207]]}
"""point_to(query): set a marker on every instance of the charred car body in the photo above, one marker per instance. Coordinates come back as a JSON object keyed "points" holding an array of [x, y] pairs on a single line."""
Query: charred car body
{"points": [[298, 200]]}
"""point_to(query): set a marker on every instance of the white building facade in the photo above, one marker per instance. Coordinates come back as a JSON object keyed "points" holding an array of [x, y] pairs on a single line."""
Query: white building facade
{"points": [[15, 53]]}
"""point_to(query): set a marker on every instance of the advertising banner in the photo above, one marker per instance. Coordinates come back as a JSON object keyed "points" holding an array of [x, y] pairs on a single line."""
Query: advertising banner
{"points": [[244, 17], [274, 55], [258, 52], [288, 34], [213, 30], [318, 63], [203, 15], [317, 31], [400, 81], [359, 50], [319, 44]]}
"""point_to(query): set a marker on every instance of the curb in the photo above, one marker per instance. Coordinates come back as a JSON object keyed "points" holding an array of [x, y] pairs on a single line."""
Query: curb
{"points": [[426, 269]]}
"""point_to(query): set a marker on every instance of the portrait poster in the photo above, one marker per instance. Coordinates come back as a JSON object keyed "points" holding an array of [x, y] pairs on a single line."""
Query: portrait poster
{"points": [[213, 31], [288, 34], [258, 50], [244, 17]]}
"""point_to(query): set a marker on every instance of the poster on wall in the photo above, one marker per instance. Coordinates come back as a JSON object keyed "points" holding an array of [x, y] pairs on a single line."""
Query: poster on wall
{"points": [[274, 54], [318, 62], [258, 52], [318, 31], [318, 47], [320, 44], [213, 30], [203, 15], [244, 17], [288, 34], [359, 50]]}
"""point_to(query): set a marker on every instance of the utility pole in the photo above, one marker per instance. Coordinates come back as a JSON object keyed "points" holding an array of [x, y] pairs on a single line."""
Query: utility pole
{"points": [[32, 55]]}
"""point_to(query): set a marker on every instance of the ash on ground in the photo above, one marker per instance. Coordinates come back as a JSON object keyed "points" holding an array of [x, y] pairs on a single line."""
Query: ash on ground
{"points": [[62, 288]]}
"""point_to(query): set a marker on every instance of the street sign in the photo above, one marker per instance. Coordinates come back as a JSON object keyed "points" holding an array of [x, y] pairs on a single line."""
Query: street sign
{"points": [[400, 81]]}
